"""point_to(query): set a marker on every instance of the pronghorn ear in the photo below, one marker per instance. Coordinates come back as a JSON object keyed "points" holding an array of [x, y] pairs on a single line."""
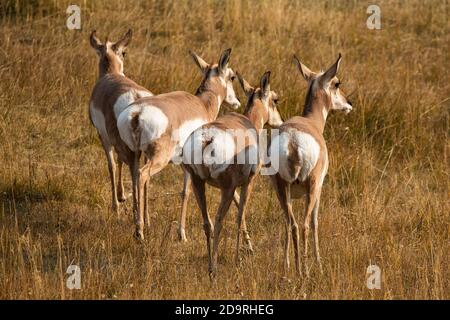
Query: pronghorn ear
{"points": [[125, 40], [223, 61], [95, 43], [265, 83], [202, 64], [331, 72], [246, 87], [304, 70]]}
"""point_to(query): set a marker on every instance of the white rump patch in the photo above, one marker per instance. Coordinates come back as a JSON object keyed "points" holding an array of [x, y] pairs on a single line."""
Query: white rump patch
{"points": [[181, 134], [215, 157], [185, 130], [123, 101], [151, 126], [279, 155], [220, 152], [308, 150], [127, 98]]}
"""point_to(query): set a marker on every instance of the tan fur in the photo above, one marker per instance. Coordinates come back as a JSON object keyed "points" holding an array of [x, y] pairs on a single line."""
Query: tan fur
{"points": [[110, 85], [179, 107], [105, 94], [235, 175], [312, 122]]}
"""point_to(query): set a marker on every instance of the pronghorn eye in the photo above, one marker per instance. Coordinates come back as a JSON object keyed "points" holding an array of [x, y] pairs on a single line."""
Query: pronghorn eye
{"points": [[124, 54], [275, 101], [232, 78], [337, 84]]}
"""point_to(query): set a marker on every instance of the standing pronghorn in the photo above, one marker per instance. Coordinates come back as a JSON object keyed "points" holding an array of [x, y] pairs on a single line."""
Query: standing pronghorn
{"points": [[302, 156], [112, 93], [225, 154], [159, 125]]}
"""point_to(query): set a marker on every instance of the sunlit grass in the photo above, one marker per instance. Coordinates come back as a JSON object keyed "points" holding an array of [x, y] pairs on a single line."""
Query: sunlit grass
{"points": [[385, 200]]}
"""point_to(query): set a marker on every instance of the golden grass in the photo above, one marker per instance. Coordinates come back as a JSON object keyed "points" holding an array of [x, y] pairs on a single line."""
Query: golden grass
{"points": [[385, 200]]}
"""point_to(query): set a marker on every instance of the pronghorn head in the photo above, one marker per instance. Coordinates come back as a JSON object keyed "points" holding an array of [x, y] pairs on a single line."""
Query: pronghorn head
{"points": [[111, 54], [326, 85], [219, 76], [263, 96]]}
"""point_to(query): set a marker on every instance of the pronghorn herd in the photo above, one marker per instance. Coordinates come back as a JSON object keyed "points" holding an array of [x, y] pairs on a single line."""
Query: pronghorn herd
{"points": [[224, 152]]}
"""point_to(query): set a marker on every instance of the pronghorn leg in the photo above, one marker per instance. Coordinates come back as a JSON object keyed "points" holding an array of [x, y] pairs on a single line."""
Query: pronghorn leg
{"points": [[316, 231], [247, 239], [135, 177], [248, 242], [310, 203], [225, 202], [144, 173], [120, 189], [146, 215], [145, 199], [245, 193], [236, 199], [184, 198], [150, 168], [283, 192], [198, 186], [294, 230], [112, 173]]}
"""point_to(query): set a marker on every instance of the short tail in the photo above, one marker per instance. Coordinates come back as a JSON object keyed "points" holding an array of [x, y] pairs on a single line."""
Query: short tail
{"points": [[139, 126], [129, 129]]}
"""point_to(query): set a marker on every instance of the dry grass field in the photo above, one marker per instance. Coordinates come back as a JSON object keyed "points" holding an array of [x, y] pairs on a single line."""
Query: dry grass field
{"points": [[385, 199]]}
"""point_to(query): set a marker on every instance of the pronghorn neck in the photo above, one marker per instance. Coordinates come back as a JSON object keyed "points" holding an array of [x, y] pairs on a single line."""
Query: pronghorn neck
{"points": [[212, 97], [256, 113], [316, 106], [108, 65]]}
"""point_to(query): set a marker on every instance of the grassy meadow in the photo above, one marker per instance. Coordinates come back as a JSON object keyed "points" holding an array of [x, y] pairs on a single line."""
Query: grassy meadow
{"points": [[385, 200]]}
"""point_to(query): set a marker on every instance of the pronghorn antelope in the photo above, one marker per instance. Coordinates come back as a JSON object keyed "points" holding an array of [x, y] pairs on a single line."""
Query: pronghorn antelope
{"points": [[159, 125], [302, 155], [212, 152], [112, 93]]}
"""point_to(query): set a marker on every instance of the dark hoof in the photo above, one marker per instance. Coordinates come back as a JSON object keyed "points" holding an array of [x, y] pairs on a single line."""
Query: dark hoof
{"points": [[181, 235], [139, 235]]}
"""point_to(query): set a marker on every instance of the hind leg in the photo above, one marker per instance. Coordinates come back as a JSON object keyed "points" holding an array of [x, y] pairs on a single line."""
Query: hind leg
{"points": [[247, 239], [112, 173], [316, 231], [185, 198], [245, 194], [198, 185], [310, 204], [137, 204], [120, 189], [283, 192], [150, 168], [227, 198]]}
